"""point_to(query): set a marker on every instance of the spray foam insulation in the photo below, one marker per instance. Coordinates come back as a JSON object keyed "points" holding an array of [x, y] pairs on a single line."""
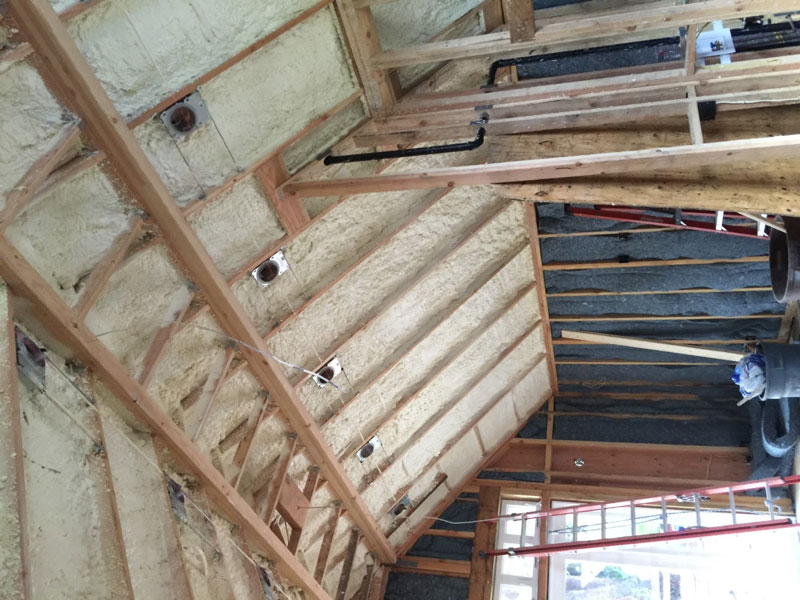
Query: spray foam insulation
{"points": [[421, 299]]}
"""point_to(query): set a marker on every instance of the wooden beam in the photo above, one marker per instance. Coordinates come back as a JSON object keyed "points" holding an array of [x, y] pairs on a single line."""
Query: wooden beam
{"points": [[272, 489], [521, 27], [108, 129], [462, 535], [291, 213], [674, 157], [102, 272], [292, 505], [159, 346], [230, 354], [642, 344], [360, 31], [630, 462], [58, 319], [26, 188], [538, 270], [482, 569], [12, 468], [308, 493], [641, 18], [633, 264], [600, 493], [327, 541], [347, 567], [434, 566], [251, 426]]}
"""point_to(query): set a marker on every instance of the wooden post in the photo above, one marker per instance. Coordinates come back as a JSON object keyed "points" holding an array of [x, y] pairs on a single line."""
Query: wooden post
{"points": [[519, 16], [327, 541], [291, 212], [492, 14], [347, 567], [12, 492], [481, 573]]}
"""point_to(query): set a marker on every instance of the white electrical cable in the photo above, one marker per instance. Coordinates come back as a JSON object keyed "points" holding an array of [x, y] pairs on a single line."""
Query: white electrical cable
{"points": [[150, 461]]}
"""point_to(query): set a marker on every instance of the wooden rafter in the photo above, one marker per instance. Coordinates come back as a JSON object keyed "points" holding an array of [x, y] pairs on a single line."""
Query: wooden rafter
{"points": [[59, 321], [102, 272], [108, 129], [267, 501], [13, 450], [327, 542], [291, 214], [344, 578], [536, 255], [360, 31], [32, 181], [642, 18]]}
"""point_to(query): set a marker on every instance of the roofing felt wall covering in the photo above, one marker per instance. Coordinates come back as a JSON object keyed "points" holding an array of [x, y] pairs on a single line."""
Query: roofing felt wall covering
{"points": [[435, 546], [662, 244], [707, 431], [721, 304], [764, 329], [402, 586], [636, 279], [706, 374]]}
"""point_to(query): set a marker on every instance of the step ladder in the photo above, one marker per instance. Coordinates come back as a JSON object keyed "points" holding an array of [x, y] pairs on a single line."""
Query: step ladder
{"points": [[772, 520]]}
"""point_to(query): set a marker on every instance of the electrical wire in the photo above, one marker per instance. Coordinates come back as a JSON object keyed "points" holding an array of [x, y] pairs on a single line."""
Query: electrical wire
{"points": [[93, 405]]}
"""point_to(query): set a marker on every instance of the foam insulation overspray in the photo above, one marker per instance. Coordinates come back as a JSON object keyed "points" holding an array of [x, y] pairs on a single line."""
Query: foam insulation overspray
{"points": [[30, 122], [144, 50], [68, 229], [410, 23], [74, 549], [490, 246], [438, 336], [323, 137], [188, 165], [322, 251], [143, 295], [145, 515], [10, 557], [237, 225], [193, 357], [472, 390], [265, 111]]}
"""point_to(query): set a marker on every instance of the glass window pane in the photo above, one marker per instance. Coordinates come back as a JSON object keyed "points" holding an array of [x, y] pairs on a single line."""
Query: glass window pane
{"points": [[515, 592]]}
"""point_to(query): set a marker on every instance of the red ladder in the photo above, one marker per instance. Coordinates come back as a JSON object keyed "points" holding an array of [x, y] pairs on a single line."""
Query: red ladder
{"points": [[697, 496]]}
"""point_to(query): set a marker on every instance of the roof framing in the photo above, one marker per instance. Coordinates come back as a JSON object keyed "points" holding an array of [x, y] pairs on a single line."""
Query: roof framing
{"points": [[66, 66]]}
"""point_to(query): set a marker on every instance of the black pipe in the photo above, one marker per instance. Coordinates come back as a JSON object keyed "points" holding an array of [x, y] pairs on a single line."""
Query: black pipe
{"points": [[406, 152]]}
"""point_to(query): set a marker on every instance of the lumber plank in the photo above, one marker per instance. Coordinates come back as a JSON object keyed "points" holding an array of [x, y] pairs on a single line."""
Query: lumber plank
{"points": [[618, 340], [347, 567], [327, 541], [519, 16], [642, 18], [481, 569], [30, 183], [653, 159]]}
